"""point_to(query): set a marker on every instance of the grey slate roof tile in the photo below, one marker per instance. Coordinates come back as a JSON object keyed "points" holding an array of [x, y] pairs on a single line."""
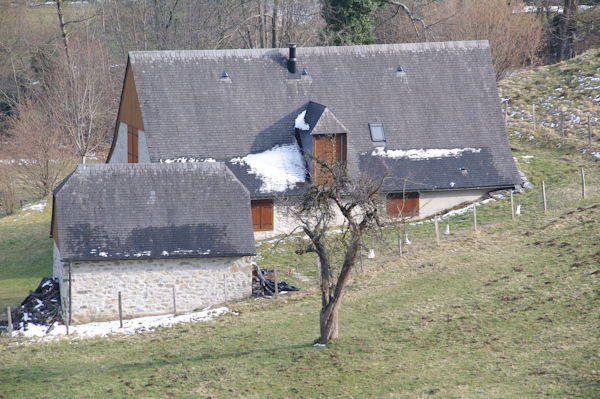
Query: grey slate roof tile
{"points": [[133, 211], [445, 98]]}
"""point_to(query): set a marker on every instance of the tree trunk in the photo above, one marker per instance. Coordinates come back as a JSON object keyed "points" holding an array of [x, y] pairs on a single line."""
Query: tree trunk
{"points": [[328, 322]]}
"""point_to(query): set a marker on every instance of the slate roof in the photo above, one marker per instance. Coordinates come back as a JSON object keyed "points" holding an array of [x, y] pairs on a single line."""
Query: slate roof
{"points": [[137, 211], [445, 97]]}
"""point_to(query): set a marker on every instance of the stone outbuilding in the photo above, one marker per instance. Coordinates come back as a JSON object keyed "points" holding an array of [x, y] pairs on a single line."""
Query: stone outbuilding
{"points": [[152, 232]]}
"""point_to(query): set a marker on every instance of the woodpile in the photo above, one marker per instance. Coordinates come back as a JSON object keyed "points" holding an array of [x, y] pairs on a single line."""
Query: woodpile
{"points": [[41, 306]]}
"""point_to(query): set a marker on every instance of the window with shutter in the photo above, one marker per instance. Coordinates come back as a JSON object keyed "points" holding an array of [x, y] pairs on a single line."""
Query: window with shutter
{"points": [[405, 205], [132, 144], [262, 215]]}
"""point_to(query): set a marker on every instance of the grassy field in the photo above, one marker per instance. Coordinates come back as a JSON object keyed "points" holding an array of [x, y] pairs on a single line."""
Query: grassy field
{"points": [[510, 311]]}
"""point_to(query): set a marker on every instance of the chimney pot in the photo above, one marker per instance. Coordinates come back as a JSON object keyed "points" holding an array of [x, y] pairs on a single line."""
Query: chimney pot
{"points": [[291, 63]]}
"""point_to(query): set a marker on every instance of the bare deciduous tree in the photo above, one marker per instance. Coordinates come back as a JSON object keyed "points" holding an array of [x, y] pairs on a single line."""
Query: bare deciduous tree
{"points": [[82, 91], [39, 147], [358, 203]]}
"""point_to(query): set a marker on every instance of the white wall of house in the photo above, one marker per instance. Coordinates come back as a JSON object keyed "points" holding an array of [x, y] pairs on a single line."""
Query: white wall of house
{"points": [[146, 285], [430, 203], [119, 154]]}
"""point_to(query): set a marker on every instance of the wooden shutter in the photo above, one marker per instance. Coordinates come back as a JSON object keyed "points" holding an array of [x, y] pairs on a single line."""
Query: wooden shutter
{"points": [[255, 216], [262, 215], [329, 149], [405, 205], [132, 144]]}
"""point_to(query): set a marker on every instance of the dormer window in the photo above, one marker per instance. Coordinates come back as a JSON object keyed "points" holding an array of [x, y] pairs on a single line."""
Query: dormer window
{"points": [[377, 135]]}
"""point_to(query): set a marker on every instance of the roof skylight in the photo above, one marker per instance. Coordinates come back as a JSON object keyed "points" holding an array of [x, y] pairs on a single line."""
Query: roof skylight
{"points": [[377, 135]]}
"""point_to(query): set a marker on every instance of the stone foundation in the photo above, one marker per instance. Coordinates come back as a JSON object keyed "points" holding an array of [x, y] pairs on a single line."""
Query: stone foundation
{"points": [[147, 286]]}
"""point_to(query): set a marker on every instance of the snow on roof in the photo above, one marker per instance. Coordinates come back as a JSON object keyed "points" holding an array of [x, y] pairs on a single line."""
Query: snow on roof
{"points": [[300, 122], [185, 160], [422, 153], [279, 168]]}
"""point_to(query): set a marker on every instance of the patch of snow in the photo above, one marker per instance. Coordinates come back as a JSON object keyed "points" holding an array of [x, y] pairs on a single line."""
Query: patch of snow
{"points": [[318, 344], [596, 154], [279, 168], [422, 153], [186, 160], [132, 326], [165, 253], [36, 207], [300, 123], [103, 254]]}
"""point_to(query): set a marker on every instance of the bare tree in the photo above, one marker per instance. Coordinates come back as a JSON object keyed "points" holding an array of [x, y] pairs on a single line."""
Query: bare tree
{"points": [[8, 189], [39, 148], [358, 203], [82, 91]]}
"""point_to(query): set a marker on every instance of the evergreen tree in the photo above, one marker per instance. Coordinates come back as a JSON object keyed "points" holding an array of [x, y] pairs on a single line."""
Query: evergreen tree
{"points": [[349, 21]]}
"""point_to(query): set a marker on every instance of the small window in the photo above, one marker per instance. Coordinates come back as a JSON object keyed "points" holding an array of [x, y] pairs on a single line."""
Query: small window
{"points": [[377, 135], [262, 215]]}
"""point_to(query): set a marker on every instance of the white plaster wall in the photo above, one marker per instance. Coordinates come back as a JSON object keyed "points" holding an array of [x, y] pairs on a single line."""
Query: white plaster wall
{"points": [[147, 286], [285, 223], [119, 154], [61, 275], [432, 202]]}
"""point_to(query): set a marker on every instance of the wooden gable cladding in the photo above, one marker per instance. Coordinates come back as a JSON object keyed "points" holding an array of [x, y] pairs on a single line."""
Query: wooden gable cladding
{"points": [[129, 110], [328, 149], [403, 205], [262, 215], [132, 144]]}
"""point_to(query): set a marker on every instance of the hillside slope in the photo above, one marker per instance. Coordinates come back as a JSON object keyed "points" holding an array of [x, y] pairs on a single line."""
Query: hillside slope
{"points": [[510, 311]]}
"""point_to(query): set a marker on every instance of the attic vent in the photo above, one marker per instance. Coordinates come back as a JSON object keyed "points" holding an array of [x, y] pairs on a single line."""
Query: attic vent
{"points": [[399, 69], [225, 77], [304, 73], [377, 135]]}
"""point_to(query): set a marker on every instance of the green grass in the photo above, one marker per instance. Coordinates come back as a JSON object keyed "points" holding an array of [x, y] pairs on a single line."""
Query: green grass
{"points": [[508, 312], [25, 254]]}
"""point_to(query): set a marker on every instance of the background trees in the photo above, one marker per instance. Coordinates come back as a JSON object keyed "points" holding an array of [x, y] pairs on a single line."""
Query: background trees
{"points": [[83, 96]]}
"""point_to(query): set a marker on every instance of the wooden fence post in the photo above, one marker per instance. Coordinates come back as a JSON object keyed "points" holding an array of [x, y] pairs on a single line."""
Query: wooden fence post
{"points": [[533, 106], [120, 311], [437, 232], [10, 326], [544, 196], [589, 128], [319, 271], [512, 206], [399, 242], [474, 217], [175, 301], [582, 184], [562, 122], [360, 255], [275, 280]]}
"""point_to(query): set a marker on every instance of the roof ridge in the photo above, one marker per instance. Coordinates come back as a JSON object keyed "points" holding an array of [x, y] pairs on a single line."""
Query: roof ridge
{"points": [[323, 50]]}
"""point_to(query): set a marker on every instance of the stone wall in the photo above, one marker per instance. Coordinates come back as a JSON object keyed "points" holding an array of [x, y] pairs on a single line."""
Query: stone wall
{"points": [[147, 286]]}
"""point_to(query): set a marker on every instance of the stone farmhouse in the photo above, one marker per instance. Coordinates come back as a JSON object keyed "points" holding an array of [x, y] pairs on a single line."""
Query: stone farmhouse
{"points": [[150, 231], [426, 116]]}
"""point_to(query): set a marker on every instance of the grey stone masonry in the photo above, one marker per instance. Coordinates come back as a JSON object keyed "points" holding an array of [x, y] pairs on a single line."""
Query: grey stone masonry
{"points": [[146, 286]]}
